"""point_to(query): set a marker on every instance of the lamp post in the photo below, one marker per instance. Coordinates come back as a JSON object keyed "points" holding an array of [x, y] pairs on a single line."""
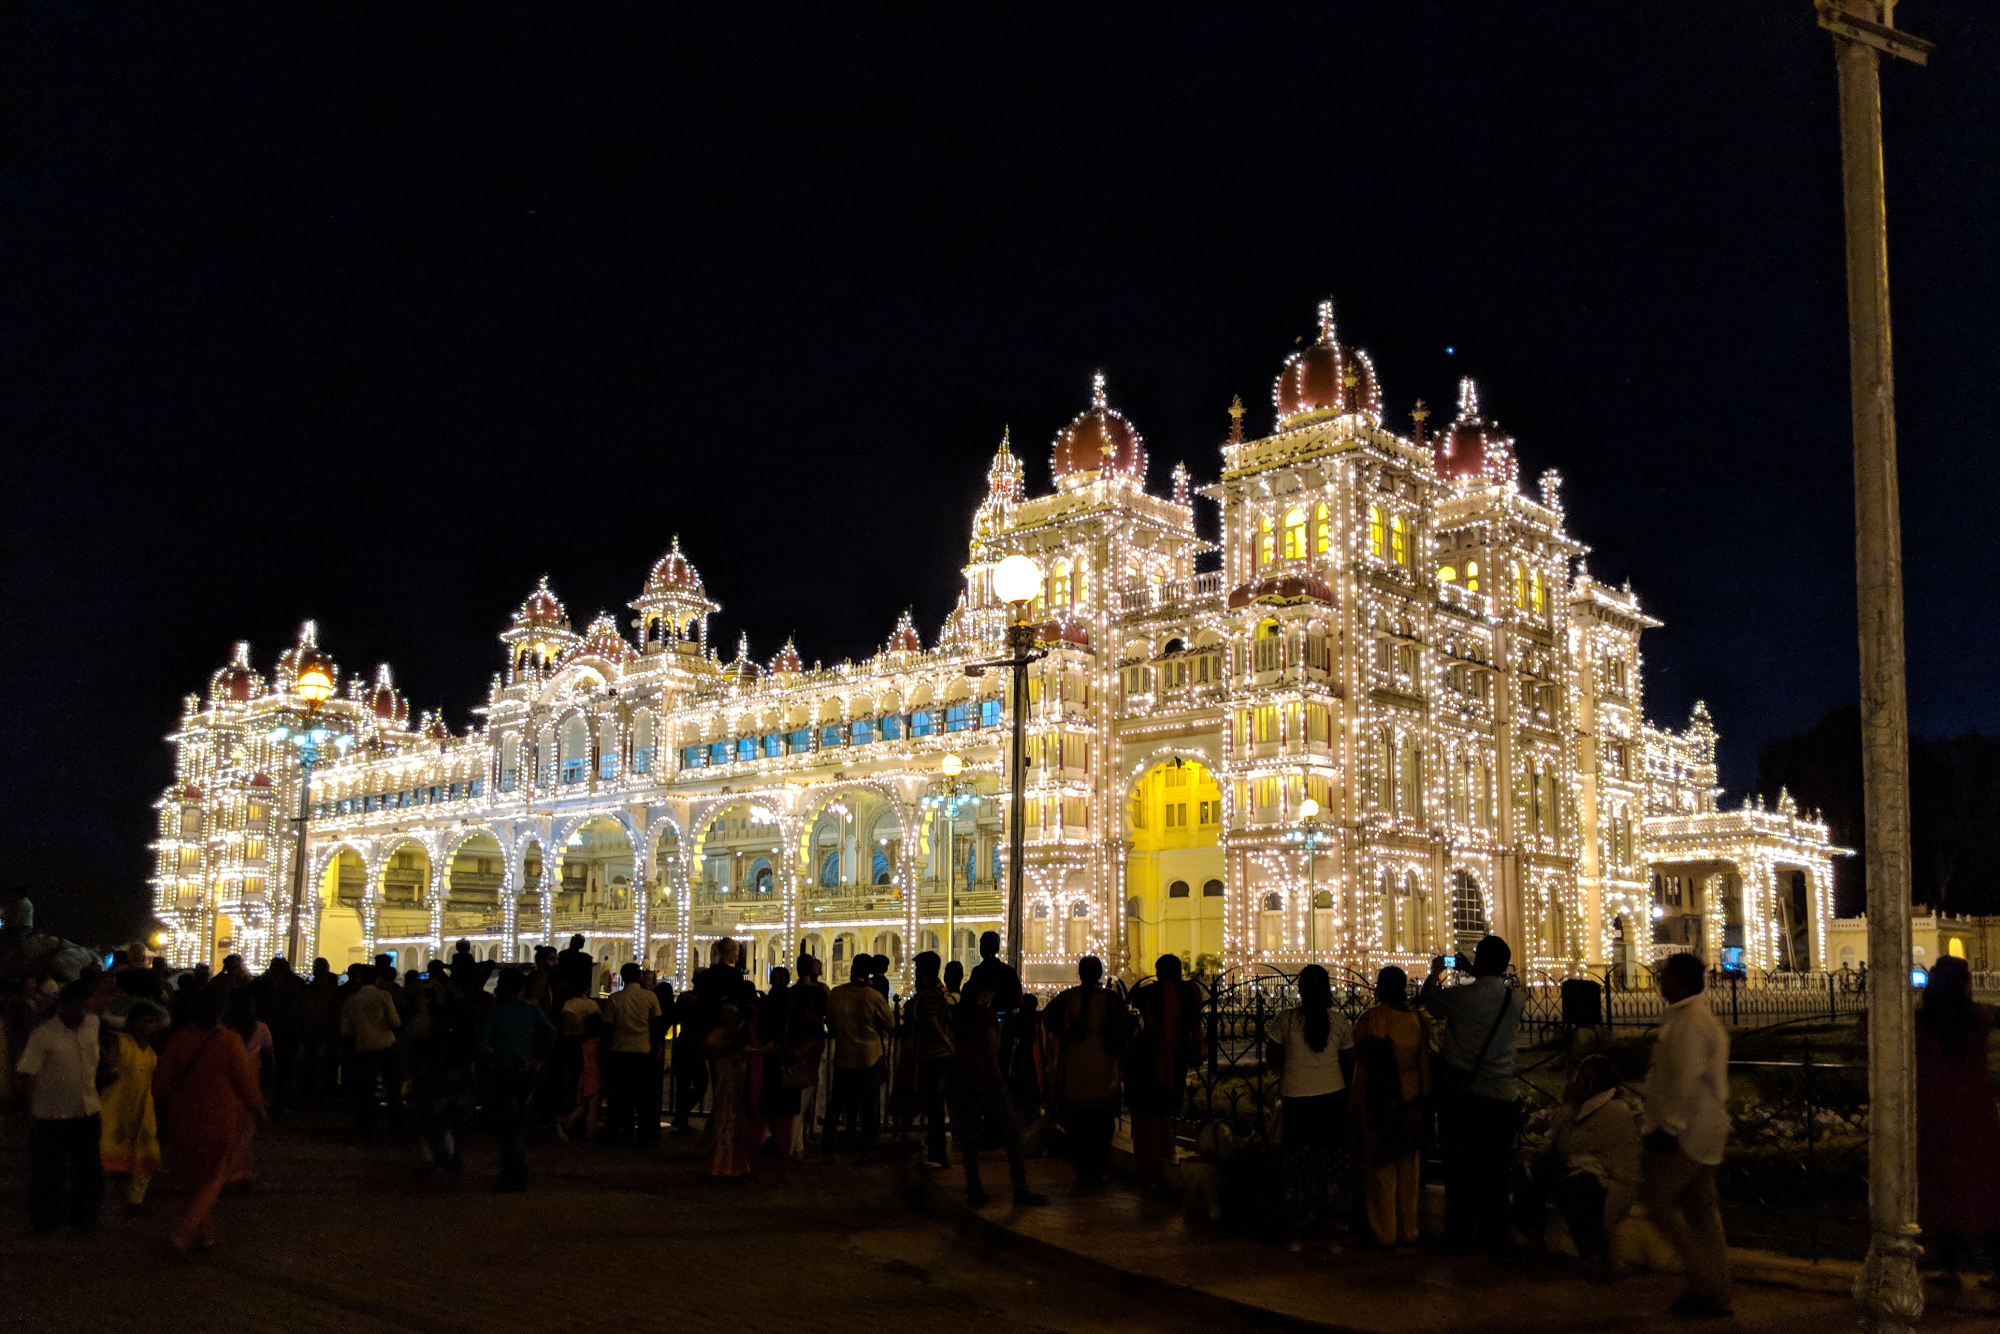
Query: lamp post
{"points": [[1889, 1290], [1016, 581], [948, 804], [314, 685], [1309, 833]]}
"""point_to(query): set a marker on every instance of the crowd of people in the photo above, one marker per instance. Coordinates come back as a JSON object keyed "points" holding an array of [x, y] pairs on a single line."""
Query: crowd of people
{"points": [[128, 1058]]}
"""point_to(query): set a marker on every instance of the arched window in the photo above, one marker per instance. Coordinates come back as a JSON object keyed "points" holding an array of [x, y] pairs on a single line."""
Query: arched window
{"points": [[1378, 542], [1295, 534], [575, 750], [1267, 543], [1211, 889], [829, 871], [1447, 574], [642, 744], [879, 864], [1535, 591], [1322, 530], [1079, 928], [1076, 585], [1468, 909], [1059, 585], [1178, 890], [1392, 911], [1399, 541], [1135, 908], [1415, 905], [1520, 587], [1472, 576], [1274, 902], [510, 763]]}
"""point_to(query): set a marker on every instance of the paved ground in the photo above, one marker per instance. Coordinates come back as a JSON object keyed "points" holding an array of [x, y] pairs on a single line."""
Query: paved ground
{"points": [[337, 1238]]}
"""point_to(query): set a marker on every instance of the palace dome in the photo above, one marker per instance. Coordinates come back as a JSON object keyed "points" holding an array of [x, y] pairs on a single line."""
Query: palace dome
{"points": [[237, 682], [787, 662], [673, 572], [1473, 447], [1100, 440], [385, 701], [435, 729], [1325, 379], [601, 639]]}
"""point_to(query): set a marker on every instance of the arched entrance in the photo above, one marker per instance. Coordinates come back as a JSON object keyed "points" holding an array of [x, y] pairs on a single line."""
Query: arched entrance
{"points": [[1468, 911], [341, 939], [1174, 875], [472, 889], [404, 912], [595, 873]]}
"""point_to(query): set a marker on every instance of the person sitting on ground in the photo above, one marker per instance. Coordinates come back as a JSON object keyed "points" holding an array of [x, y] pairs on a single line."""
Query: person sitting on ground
{"points": [[1591, 1170]]}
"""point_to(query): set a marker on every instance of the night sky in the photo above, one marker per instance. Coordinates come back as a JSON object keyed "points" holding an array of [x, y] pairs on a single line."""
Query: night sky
{"points": [[375, 313]]}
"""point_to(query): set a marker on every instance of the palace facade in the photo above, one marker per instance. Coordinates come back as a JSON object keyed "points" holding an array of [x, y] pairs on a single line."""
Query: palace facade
{"points": [[1391, 628]]}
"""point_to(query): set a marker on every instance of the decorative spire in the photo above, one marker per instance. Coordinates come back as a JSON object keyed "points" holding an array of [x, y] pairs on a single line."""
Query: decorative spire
{"points": [[1419, 414], [239, 656], [383, 677], [309, 633], [1097, 399], [1183, 492], [787, 662], [1326, 326], [1236, 419], [1468, 398], [904, 638]]}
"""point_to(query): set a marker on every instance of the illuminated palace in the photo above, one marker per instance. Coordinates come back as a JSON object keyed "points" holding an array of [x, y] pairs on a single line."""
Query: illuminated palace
{"points": [[1398, 713]]}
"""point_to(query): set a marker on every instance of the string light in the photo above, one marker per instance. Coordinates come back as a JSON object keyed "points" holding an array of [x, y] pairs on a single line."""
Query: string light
{"points": [[1473, 742]]}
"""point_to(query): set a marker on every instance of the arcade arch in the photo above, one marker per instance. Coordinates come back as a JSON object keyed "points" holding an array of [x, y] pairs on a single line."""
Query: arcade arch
{"points": [[472, 882], [595, 872], [1174, 873], [342, 936]]}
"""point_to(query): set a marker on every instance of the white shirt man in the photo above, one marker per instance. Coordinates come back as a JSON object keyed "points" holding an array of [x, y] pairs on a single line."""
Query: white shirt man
{"points": [[1687, 1084], [65, 1174], [1685, 1126], [63, 1061]]}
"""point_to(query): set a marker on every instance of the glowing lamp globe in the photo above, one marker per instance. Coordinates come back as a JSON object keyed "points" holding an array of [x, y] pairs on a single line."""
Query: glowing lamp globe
{"points": [[952, 766], [315, 681], [1017, 579], [1308, 809]]}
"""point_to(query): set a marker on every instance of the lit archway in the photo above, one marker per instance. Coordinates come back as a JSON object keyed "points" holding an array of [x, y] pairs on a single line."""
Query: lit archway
{"points": [[1174, 873]]}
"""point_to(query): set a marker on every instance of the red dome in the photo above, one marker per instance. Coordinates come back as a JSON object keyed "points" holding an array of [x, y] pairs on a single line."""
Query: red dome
{"points": [[1473, 447], [672, 572], [437, 731], [542, 608], [787, 661], [1285, 589], [237, 682], [602, 640], [260, 780], [904, 639], [385, 702], [1100, 440], [1325, 378]]}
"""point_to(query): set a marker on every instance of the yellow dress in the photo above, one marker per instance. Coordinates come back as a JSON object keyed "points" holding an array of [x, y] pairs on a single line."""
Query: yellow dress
{"points": [[130, 1140]]}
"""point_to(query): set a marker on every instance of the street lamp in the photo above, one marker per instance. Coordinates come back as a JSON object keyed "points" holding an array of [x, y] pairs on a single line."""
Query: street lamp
{"points": [[313, 683], [1016, 582], [1310, 834], [948, 804]]}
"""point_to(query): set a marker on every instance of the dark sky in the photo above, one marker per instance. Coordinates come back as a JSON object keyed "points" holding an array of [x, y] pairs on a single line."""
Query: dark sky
{"points": [[374, 313]]}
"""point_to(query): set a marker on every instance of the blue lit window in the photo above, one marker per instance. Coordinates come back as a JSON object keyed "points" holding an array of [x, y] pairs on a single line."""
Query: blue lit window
{"points": [[691, 757], [956, 717], [477, 786], [989, 713], [802, 741], [607, 765], [746, 748], [642, 760], [880, 866], [830, 735], [774, 745], [829, 870], [891, 727], [572, 770], [863, 731], [718, 752], [509, 777], [923, 722]]}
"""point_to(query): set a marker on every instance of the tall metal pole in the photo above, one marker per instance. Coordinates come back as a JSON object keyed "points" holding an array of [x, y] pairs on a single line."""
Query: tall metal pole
{"points": [[950, 813], [1889, 1289], [1021, 641], [294, 935]]}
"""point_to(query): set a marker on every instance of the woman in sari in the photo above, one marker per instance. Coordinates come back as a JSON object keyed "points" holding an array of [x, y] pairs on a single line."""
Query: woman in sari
{"points": [[206, 1087], [1392, 1082], [129, 1145], [728, 1051]]}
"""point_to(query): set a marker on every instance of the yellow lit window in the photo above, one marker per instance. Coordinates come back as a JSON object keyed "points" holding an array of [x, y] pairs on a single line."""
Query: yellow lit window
{"points": [[1322, 530], [1399, 541], [1295, 534], [253, 847], [1265, 720], [1059, 585], [1520, 588], [1472, 576], [1076, 585], [1377, 538], [1535, 589], [1267, 542], [1447, 574]]}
